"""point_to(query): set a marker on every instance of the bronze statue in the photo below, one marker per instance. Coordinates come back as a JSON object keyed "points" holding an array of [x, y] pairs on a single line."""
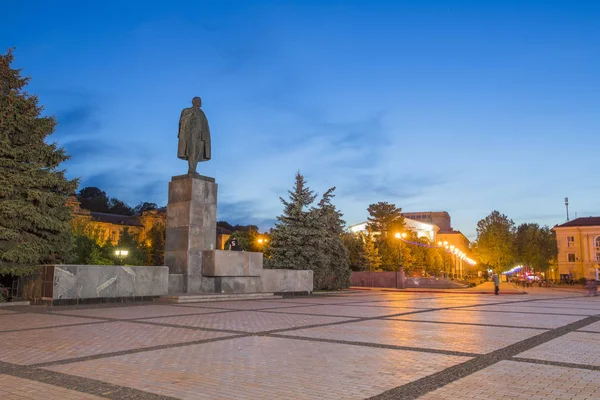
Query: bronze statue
{"points": [[194, 136]]}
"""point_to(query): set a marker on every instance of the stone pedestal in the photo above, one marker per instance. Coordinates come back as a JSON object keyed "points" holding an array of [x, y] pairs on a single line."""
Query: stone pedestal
{"points": [[191, 224]]}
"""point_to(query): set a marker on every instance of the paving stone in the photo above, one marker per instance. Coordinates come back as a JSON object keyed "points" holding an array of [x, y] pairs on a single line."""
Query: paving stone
{"points": [[344, 310], [247, 321], [14, 388], [9, 322], [592, 328], [538, 310], [3, 312], [486, 318], [133, 312], [575, 348], [448, 337], [238, 305], [515, 380], [52, 344], [264, 367]]}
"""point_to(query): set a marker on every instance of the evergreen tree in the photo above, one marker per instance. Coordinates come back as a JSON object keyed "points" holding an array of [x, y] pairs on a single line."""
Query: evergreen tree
{"points": [[293, 238], [354, 244], [335, 272], [384, 218], [34, 218]]}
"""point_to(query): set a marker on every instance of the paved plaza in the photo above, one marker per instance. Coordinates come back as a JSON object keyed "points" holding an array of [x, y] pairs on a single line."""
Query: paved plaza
{"points": [[348, 345]]}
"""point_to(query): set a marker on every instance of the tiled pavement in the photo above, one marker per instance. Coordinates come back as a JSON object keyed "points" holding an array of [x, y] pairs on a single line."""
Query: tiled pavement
{"points": [[356, 345]]}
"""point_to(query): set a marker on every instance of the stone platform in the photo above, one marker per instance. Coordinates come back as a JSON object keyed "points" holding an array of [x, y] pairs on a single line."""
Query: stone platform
{"points": [[228, 272]]}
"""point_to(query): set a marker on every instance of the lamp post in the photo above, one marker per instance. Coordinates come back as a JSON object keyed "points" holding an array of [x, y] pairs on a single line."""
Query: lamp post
{"points": [[399, 235], [121, 254]]}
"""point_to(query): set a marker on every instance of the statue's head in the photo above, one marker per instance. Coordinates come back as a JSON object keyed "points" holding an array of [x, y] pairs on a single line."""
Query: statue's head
{"points": [[197, 102]]}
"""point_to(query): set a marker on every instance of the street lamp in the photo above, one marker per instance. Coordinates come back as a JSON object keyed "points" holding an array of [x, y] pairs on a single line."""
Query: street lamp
{"points": [[121, 254]]}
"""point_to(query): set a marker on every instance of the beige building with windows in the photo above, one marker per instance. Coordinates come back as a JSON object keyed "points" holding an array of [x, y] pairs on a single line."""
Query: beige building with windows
{"points": [[578, 244]]}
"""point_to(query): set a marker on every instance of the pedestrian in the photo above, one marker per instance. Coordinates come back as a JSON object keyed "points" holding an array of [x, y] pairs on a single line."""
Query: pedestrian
{"points": [[496, 284]]}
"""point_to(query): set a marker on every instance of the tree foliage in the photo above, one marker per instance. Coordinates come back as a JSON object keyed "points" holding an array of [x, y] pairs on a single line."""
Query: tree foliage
{"points": [[370, 258], [535, 246], [34, 218], [96, 200], [156, 245], [309, 237], [495, 243], [384, 218], [144, 206]]}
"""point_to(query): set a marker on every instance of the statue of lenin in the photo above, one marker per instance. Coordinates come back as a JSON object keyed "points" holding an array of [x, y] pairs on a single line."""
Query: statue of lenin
{"points": [[194, 136]]}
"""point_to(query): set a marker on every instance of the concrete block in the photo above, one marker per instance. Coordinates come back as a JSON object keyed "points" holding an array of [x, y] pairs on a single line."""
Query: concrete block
{"points": [[286, 280], [65, 278], [231, 263]]}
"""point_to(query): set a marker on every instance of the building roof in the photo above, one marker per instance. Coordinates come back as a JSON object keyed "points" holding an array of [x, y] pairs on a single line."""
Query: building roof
{"points": [[129, 220], [583, 221]]}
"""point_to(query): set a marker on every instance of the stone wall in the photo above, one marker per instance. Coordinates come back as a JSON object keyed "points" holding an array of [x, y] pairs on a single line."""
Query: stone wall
{"points": [[64, 283]]}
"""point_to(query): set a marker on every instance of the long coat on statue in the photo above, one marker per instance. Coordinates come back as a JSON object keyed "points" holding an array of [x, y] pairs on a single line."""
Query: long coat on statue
{"points": [[194, 135]]}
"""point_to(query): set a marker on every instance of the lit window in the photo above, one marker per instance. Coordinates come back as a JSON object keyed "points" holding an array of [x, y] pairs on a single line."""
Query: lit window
{"points": [[570, 241], [571, 257], [597, 242], [598, 257]]}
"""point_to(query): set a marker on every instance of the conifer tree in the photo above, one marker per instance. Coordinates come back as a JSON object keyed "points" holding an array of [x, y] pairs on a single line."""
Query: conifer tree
{"points": [[34, 218], [293, 239], [335, 273], [311, 238]]}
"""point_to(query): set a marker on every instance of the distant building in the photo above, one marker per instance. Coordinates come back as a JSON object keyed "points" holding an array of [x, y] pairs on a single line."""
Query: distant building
{"points": [[440, 219], [422, 229], [578, 244], [104, 227]]}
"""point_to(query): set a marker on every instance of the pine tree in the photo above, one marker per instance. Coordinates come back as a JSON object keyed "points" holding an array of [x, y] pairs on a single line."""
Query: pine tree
{"points": [[293, 239], [335, 272], [311, 238], [34, 219]]}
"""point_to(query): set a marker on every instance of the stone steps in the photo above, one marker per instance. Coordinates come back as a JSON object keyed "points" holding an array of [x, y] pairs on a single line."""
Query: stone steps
{"points": [[198, 298]]}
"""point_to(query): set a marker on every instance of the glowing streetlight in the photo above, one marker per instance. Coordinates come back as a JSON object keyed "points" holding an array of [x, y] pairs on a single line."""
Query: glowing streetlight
{"points": [[121, 254]]}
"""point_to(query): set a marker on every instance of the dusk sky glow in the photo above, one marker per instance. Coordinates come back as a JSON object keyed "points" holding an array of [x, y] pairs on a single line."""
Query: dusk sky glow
{"points": [[462, 106]]}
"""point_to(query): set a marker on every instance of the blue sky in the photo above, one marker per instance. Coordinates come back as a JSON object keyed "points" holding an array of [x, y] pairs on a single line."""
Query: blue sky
{"points": [[463, 106]]}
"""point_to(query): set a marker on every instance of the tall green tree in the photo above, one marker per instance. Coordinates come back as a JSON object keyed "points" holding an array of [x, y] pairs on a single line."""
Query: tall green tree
{"points": [[354, 245], [34, 218], [535, 246], [495, 241], [335, 272], [293, 238], [309, 237], [385, 218]]}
